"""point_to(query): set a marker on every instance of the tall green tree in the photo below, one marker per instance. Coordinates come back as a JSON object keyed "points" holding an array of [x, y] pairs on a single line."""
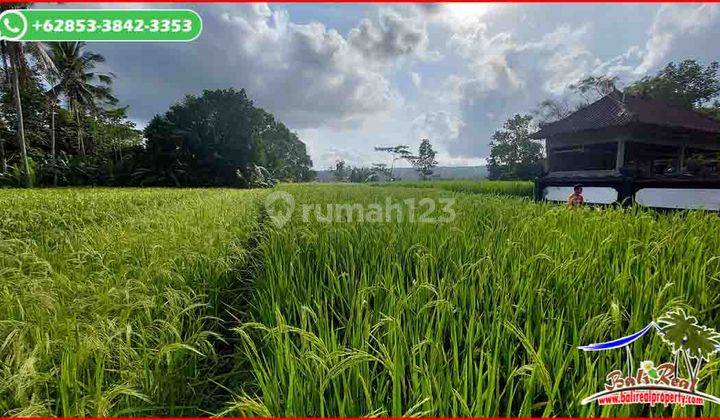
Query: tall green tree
{"points": [[50, 75], [219, 138], [424, 163], [35, 113], [16, 68], [361, 174], [113, 133], [84, 89], [279, 150], [381, 171], [687, 83], [341, 171], [3, 153], [592, 88], [513, 154]]}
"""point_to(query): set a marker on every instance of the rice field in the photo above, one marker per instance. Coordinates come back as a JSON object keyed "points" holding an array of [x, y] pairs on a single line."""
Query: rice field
{"points": [[193, 302], [110, 300], [513, 188]]}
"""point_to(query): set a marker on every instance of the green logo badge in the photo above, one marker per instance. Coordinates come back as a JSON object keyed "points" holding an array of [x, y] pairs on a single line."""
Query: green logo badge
{"points": [[13, 25], [101, 25]]}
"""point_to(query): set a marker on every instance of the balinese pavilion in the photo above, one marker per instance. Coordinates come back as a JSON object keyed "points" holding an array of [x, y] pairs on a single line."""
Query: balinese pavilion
{"points": [[625, 148]]}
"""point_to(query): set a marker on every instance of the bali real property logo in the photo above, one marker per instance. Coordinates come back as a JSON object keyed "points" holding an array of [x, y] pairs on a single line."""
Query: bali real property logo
{"points": [[668, 382]]}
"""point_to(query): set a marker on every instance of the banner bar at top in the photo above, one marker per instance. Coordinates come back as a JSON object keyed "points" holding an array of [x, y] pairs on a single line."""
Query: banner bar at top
{"points": [[381, 1]]}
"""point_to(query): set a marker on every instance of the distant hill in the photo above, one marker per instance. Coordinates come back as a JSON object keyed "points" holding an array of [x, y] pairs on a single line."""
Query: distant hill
{"points": [[441, 172]]}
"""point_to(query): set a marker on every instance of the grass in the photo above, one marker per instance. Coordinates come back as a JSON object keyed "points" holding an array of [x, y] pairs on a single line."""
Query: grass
{"points": [[512, 188], [480, 317], [123, 292], [108, 298]]}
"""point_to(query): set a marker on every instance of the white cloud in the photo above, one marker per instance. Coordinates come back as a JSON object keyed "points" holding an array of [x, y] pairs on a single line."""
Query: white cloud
{"points": [[394, 35], [440, 127], [416, 79], [336, 76], [310, 75], [460, 16], [511, 68], [563, 57], [674, 24], [507, 75], [335, 154], [460, 160]]}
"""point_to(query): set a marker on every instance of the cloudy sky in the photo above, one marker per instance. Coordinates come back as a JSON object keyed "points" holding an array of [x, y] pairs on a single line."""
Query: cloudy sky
{"points": [[350, 77]]}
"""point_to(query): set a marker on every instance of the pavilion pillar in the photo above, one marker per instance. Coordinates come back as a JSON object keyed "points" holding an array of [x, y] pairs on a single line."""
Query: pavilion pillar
{"points": [[682, 159], [546, 164], [620, 158]]}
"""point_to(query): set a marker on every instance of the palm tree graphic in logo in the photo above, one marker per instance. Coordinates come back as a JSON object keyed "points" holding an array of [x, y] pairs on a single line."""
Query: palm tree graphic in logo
{"points": [[688, 340]]}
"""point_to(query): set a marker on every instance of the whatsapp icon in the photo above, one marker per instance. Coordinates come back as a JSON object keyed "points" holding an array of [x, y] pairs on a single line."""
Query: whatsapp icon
{"points": [[13, 25]]}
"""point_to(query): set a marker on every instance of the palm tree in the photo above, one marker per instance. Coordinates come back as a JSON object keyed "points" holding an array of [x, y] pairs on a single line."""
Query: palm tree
{"points": [[5, 81], [14, 58], [51, 76], [83, 88], [686, 337]]}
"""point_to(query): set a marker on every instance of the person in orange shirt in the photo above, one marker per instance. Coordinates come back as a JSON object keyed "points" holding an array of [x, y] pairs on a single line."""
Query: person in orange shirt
{"points": [[576, 198]]}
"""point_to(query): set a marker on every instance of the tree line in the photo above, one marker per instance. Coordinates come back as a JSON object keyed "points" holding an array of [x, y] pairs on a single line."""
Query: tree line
{"points": [[423, 162], [60, 125], [514, 155]]}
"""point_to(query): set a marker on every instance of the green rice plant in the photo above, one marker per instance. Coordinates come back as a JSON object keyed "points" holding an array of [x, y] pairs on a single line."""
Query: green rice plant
{"points": [[110, 299], [481, 316], [118, 302], [513, 188]]}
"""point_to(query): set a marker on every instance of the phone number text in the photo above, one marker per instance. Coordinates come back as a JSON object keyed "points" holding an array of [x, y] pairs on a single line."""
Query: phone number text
{"points": [[114, 25]]}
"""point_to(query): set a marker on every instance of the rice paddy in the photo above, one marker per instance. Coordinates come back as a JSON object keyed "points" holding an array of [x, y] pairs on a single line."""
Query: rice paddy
{"points": [[514, 188], [109, 299], [192, 302]]}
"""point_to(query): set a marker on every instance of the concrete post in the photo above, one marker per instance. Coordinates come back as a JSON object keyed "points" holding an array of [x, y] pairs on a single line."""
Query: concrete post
{"points": [[620, 158]]}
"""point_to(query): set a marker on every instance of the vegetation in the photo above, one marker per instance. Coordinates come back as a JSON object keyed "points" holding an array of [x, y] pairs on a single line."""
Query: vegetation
{"points": [[75, 78], [510, 188], [424, 162], [345, 173], [399, 152], [689, 84], [217, 139], [70, 131], [481, 317], [340, 172], [110, 299], [513, 154], [16, 69], [188, 302]]}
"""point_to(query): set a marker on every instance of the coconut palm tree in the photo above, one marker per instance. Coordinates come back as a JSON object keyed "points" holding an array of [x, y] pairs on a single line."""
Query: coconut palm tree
{"points": [[5, 81], [688, 339], [51, 77], [79, 83], [17, 68]]}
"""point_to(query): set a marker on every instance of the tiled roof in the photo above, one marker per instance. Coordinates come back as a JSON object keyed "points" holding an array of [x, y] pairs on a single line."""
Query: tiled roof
{"points": [[613, 111]]}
